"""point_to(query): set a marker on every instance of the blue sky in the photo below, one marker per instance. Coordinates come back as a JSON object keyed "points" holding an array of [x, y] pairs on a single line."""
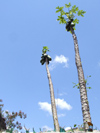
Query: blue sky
{"points": [[25, 27]]}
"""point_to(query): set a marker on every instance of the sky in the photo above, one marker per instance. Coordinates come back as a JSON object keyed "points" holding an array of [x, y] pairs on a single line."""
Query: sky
{"points": [[25, 27]]}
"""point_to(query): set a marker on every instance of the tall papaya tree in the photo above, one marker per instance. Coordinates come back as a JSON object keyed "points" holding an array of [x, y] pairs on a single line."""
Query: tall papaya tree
{"points": [[45, 60], [69, 19]]}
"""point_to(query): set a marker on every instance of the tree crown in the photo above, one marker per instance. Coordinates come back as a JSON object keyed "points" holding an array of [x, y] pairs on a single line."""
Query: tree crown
{"points": [[44, 55], [69, 17], [45, 49]]}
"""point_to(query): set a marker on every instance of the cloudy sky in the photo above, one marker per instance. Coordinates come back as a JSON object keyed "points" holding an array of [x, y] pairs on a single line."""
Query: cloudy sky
{"points": [[25, 27]]}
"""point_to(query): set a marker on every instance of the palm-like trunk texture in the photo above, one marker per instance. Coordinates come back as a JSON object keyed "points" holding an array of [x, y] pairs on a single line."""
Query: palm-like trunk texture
{"points": [[82, 84], [53, 105]]}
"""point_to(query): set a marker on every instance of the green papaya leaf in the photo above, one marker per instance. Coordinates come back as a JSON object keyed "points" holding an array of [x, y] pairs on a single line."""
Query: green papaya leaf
{"points": [[74, 28], [60, 22], [70, 12], [62, 12], [57, 11], [68, 5], [80, 13], [76, 21], [57, 7], [61, 8], [74, 9], [66, 13]]}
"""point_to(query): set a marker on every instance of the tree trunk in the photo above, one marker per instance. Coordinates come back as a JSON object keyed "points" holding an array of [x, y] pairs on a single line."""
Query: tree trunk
{"points": [[82, 84], [53, 105]]}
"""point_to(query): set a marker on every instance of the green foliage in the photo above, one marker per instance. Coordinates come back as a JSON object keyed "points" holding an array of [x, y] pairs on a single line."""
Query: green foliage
{"points": [[45, 49], [75, 125], [74, 9], [45, 56], [76, 21], [65, 17], [80, 13], [9, 118], [80, 127], [77, 85], [68, 5]]}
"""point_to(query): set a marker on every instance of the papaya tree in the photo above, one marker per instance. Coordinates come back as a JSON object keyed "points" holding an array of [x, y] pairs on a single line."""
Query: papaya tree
{"points": [[45, 59], [69, 19]]}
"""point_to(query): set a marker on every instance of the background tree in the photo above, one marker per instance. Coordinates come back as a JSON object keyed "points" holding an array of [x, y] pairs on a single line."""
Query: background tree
{"points": [[45, 59], [69, 19], [9, 118], [2, 123]]}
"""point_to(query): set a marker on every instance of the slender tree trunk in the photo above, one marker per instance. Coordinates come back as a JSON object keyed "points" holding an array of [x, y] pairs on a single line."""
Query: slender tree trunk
{"points": [[53, 105], [82, 84]]}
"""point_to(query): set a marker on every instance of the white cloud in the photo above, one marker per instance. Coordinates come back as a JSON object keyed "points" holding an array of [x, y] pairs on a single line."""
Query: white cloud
{"points": [[63, 104], [46, 128], [61, 115], [45, 106], [67, 128], [59, 60], [60, 103]]}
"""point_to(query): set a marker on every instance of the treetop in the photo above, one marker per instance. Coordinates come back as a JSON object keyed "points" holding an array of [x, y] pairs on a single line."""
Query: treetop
{"points": [[65, 17], [45, 49], [44, 55]]}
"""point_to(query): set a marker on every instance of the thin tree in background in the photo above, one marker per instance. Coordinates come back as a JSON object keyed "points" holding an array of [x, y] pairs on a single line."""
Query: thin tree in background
{"points": [[7, 119], [45, 59], [69, 19]]}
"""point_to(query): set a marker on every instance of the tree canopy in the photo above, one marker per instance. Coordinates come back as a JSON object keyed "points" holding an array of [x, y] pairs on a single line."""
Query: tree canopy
{"points": [[69, 17], [44, 56]]}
